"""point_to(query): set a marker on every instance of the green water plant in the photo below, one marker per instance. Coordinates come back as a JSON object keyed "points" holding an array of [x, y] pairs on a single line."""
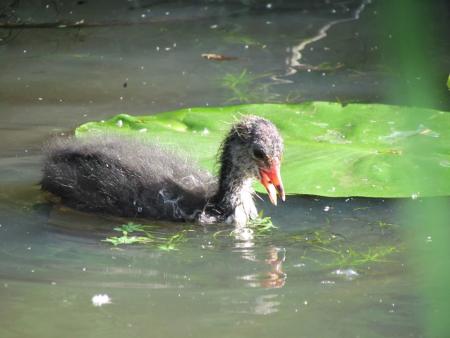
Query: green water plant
{"points": [[132, 233], [246, 87], [173, 242], [126, 238], [258, 227], [334, 251], [319, 237], [262, 225], [346, 257]]}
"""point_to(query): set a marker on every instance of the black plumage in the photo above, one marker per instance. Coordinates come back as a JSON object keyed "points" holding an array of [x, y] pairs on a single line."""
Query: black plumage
{"points": [[130, 177]]}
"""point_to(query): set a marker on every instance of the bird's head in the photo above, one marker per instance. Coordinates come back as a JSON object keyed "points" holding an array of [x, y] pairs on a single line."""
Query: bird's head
{"points": [[254, 146]]}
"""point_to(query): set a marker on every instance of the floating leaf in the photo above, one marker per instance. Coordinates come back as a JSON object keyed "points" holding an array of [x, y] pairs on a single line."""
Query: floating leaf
{"points": [[330, 150]]}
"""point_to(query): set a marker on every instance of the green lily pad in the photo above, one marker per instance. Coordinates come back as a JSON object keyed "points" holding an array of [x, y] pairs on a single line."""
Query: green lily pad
{"points": [[370, 150]]}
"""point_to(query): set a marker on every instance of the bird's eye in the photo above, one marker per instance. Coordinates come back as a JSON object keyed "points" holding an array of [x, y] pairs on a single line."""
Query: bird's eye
{"points": [[258, 154]]}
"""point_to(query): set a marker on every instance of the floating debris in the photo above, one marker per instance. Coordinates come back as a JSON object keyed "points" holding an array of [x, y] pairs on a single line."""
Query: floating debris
{"points": [[100, 300], [327, 282], [299, 265], [218, 57], [348, 274]]}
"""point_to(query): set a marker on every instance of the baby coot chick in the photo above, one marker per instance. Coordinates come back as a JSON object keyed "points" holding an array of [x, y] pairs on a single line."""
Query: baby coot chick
{"points": [[131, 178]]}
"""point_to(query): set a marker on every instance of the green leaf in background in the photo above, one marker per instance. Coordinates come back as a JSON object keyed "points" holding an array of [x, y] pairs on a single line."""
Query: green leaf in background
{"points": [[330, 150]]}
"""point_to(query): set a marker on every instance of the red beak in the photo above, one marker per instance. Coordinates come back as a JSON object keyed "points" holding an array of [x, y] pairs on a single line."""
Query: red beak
{"points": [[271, 180]]}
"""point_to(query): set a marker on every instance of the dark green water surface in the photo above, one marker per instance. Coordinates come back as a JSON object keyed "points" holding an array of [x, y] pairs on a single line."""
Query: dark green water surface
{"points": [[332, 268]]}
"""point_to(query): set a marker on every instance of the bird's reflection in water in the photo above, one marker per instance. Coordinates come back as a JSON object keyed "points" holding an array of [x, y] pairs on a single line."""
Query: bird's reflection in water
{"points": [[274, 257], [275, 277]]}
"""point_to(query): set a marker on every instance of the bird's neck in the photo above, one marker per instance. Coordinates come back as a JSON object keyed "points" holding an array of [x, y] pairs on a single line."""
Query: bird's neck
{"points": [[235, 194]]}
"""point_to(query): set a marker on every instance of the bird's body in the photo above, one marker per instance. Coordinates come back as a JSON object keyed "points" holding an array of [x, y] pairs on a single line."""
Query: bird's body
{"points": [[126, 177], [129, 177]]}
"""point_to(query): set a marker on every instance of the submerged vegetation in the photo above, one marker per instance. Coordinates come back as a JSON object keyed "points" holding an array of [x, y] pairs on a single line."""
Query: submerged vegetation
{"points": [[345, 257], [322, 247], [335, 252], [262, 225], [246, 87], [132, 233], [126, 238]]}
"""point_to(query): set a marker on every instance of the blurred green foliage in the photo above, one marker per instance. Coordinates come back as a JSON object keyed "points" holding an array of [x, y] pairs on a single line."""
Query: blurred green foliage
{"points": [[412, 27]]}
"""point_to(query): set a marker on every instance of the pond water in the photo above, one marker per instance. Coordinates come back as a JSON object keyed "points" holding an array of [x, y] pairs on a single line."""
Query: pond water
{"points": [[331, 268]]}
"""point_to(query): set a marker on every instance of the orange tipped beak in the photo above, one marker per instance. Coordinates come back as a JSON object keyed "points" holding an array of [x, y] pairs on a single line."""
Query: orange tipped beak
{"points": [[271, 180]]}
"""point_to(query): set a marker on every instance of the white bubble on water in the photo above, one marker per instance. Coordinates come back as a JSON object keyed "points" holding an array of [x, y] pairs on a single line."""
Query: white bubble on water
{"points": [[100, 300]]}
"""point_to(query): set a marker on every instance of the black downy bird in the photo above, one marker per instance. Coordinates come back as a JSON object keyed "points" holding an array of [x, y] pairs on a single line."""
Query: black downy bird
{"points": [[128, 177]]}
